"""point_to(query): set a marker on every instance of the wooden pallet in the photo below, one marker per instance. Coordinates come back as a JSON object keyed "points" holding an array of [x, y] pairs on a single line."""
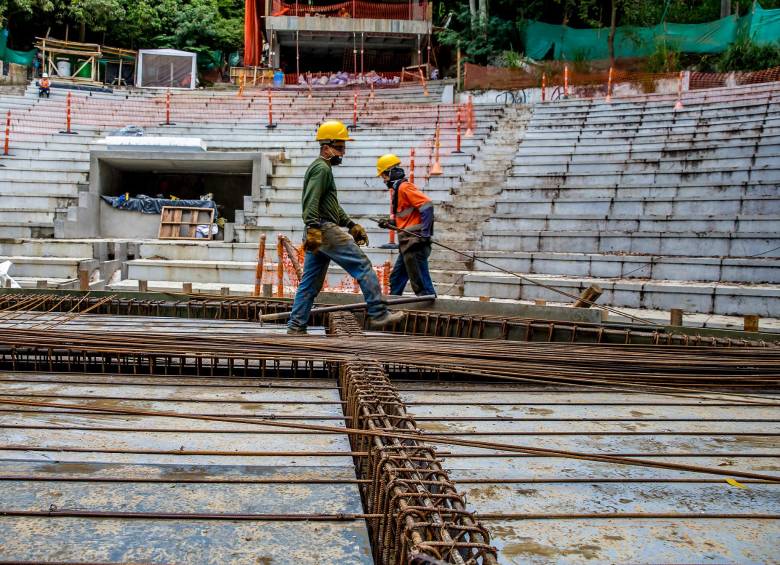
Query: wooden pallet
{"points": [[180, 222]]}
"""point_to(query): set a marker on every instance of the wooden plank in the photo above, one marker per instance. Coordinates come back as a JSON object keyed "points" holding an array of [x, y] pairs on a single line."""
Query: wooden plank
{"points": [[181, 222]]}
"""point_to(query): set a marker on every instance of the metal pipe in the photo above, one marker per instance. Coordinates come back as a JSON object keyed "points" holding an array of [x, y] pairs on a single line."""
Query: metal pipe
{"points": [[351, 307]]}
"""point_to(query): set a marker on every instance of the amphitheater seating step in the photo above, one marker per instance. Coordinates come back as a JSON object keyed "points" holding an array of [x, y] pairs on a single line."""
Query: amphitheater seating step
{"points": [[712, 269], [707, 298]]}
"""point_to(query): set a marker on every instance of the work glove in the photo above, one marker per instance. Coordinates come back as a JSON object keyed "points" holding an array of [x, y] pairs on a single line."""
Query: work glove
{"points": [[359, 234], [313, 239], [386, 224]]}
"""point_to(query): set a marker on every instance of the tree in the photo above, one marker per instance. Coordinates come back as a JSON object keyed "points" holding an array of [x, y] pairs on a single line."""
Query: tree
{"points": [[96, 14], [28, 7], [202, 25]]}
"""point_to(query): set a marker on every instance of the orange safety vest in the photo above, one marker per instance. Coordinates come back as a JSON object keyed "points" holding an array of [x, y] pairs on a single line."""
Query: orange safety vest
{"points": [[44, 83], [407, 204]]}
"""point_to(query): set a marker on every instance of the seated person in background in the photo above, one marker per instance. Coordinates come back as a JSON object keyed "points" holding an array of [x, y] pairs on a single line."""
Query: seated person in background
{"points": [[44, 86]]}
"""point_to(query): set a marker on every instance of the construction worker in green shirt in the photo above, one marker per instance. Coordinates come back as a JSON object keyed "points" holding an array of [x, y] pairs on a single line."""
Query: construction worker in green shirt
{"points": [[326, 241]]}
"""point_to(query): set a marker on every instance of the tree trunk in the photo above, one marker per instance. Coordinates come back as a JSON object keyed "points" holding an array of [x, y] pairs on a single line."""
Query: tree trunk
{"points": [[483, 13], [612, 29], [83, 32], [725, 8], [473, 11]]}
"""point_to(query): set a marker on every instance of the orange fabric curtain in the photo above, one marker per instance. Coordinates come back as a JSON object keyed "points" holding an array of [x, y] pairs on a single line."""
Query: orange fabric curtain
{"points": [[253, 37]]}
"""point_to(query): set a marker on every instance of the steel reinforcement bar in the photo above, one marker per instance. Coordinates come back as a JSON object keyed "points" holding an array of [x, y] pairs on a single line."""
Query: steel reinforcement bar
{"points": [[422, 515], [423, 323]]}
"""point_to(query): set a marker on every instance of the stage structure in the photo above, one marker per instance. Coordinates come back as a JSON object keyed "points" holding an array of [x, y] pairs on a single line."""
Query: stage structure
{"points": [[354, 36]]}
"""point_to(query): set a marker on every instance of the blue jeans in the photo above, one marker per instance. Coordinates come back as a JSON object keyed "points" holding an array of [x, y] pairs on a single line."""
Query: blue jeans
{"points": [[412, 265], [338, 246]]}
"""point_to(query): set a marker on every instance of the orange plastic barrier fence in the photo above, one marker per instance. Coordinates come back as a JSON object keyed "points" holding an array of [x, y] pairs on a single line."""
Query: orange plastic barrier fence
{"points": [[598, 83], [287, 281], [715, 80]]}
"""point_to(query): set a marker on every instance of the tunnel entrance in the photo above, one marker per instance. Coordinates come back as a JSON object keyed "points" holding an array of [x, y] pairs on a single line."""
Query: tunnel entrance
{"points": [[227, 190], [159, 172]]}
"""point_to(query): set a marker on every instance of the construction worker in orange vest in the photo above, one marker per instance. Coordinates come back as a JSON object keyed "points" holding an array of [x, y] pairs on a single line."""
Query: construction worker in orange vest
{"points": [[412, 211], [44, 86]]}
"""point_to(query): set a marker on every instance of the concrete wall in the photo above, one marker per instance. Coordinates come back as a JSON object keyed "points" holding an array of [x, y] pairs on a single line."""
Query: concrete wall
{"points": [[127, 223], [534, 95]]}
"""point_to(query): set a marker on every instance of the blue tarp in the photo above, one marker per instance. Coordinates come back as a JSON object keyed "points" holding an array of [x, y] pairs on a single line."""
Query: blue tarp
{"points": [[149, 205]]}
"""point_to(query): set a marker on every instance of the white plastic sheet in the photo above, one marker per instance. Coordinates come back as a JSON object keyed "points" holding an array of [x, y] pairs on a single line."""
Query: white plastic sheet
{"points": [[5, 266]]}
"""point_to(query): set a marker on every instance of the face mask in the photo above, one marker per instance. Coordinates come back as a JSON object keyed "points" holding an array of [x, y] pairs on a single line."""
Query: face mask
{"points": [[334, 160]]}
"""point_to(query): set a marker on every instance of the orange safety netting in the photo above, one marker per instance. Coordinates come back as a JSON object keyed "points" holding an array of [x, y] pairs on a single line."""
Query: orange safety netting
{"points": [[715, 80], [477, 77], [288, 284], [411, 10]]}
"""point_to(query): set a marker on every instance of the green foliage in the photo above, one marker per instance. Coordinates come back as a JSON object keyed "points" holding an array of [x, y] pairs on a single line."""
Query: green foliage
{"points": [[581, 62], [664, 59], [201, 25], [508, 59], [744, 55], [196, 25], [97, 14], [479, 44]]}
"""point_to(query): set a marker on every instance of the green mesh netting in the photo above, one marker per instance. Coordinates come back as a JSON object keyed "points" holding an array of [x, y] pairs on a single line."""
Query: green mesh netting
{"points": [[11, 56], [566, 43]]}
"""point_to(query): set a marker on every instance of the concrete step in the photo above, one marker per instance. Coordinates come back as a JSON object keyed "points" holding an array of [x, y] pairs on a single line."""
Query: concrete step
{"points": [[640, 121], [562, 148], [16, 163], [49, 267], [33, 202], [368, 193], [24, 186], [55, 248], [366, 172], [534, 143], [662, 165], [293, 228], [646, 223], [23, 230], [248, 233], [711, 244], [220, 252], [37, 153], [40, 176], [754, 270], [713, 205], [668, 134], [26, 216], [705, 298], [685, 189], [362, 182], [274, 210], [353, 162], [716, 176], [736, 147], [213, 272]]}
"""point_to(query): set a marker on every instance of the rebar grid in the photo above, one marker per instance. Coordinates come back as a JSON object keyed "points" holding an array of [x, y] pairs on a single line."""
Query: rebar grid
{"points": [[421, 511], [418, 323]]}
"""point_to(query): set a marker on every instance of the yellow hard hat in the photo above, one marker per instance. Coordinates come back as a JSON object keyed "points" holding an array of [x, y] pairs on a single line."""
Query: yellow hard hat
{"points": [[333, 130], [386, 162]]}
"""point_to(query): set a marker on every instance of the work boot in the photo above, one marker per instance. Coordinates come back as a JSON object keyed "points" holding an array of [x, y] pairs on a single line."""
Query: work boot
{"points": [[297, 331], [387, 319]]}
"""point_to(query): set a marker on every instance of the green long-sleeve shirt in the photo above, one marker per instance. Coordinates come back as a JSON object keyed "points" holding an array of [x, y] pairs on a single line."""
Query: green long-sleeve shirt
{"points": [[320, 201]]}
